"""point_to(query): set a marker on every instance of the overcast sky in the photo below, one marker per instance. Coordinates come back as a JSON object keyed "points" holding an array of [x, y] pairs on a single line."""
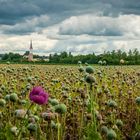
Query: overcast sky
{"points": [[77, 26]]}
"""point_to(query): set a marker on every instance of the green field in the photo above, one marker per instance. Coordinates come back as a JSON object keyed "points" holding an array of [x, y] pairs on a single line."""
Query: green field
{"points": [[85, 102]]}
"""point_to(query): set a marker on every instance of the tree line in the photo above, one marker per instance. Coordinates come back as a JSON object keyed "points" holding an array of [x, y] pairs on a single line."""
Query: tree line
{"points": [[109, 57]]}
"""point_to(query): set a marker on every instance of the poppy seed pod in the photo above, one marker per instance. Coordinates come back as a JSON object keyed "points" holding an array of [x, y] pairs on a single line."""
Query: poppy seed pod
{"points": [[121, 61], [137, 100], [100, 62], [90, 79], [2, 102], [119, 123], [111, 135], [104, 129], [48, 116], [89, 69], [7, 97], [79, 62], [89, 116], [13, 97], [36, 118], [20, 113], [8, 63], [81, 69], [112, 103], [31, 120], [23, 102], [54, 102], [14, 130], [32, 127], [104, 62], [53, 125], [60, 108]]}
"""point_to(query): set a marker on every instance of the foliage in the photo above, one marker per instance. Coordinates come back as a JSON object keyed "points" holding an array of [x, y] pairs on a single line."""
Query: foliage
{"points": [[109, 58]]}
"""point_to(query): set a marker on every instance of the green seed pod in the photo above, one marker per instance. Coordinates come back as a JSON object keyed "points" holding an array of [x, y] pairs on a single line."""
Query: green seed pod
{"points": [[23, 102], [99, 72], [28, 87], [36, 118], [39, 108], [29, 79], [89, 116], [90, 79], [104, 129], [31, 119], [53, 125], [20, 113], [69, 98], [13, 97], [3, 87], [104, 62], [89, 69], [7, 97], [14, 130], [60, 108], [32, 127], [119, 123], [7, 62], [112, 103], [138, 100], [81, 69], [79, 62], [48, 116], [111, 135], [2, 102], [54, 102], [86, 64], [122, 61], [100, 62]]}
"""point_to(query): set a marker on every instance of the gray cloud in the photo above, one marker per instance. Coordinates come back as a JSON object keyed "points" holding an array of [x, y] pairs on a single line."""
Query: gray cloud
{"points": [[29, 25], [101, 25], [79, 26], [13, 11]]}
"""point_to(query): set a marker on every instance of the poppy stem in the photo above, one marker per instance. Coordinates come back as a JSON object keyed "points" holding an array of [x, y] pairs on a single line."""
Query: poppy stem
{"points": [[24, 119], [58, 131]]}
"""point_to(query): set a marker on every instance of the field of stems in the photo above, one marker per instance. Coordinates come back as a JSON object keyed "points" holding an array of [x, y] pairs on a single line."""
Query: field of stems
{"points": [[83, 102]]}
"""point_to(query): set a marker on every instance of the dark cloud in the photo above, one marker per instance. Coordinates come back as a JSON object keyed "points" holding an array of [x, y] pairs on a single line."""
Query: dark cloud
{"points": [[16, 12], [13, 11]]}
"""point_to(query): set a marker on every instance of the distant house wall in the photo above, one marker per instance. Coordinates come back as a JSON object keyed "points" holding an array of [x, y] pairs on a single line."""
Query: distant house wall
{"points": [[30, 57]]}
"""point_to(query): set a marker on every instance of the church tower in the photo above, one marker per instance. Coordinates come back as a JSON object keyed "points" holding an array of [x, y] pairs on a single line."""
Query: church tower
{"points": [[30, 57]]}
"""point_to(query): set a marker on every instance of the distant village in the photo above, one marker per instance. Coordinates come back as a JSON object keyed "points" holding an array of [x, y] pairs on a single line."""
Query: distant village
{"points": [[28, 56], [114, 57]]}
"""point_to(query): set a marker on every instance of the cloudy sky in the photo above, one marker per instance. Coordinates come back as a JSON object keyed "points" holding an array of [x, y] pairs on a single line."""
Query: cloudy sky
{"points": [[77, 26]]}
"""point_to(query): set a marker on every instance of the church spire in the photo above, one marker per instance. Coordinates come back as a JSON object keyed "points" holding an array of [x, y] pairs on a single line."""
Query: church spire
{"points": [[31, 46], [30, 56]]}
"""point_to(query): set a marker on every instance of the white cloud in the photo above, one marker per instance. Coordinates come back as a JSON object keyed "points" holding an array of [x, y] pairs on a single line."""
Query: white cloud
{"points": [[21, 44], [128, 25], [78, 34]]}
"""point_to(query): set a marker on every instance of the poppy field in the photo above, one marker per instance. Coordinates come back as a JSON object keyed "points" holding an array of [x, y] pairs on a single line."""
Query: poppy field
{"points": [[81, 102]]}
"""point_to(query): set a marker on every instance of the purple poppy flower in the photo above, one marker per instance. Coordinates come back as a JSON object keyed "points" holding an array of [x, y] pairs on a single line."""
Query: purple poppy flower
{"points": [[38, 95]]}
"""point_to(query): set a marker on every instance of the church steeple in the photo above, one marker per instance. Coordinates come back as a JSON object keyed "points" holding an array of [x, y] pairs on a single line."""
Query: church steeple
{"points": [[31, 46], [30, 57]]}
